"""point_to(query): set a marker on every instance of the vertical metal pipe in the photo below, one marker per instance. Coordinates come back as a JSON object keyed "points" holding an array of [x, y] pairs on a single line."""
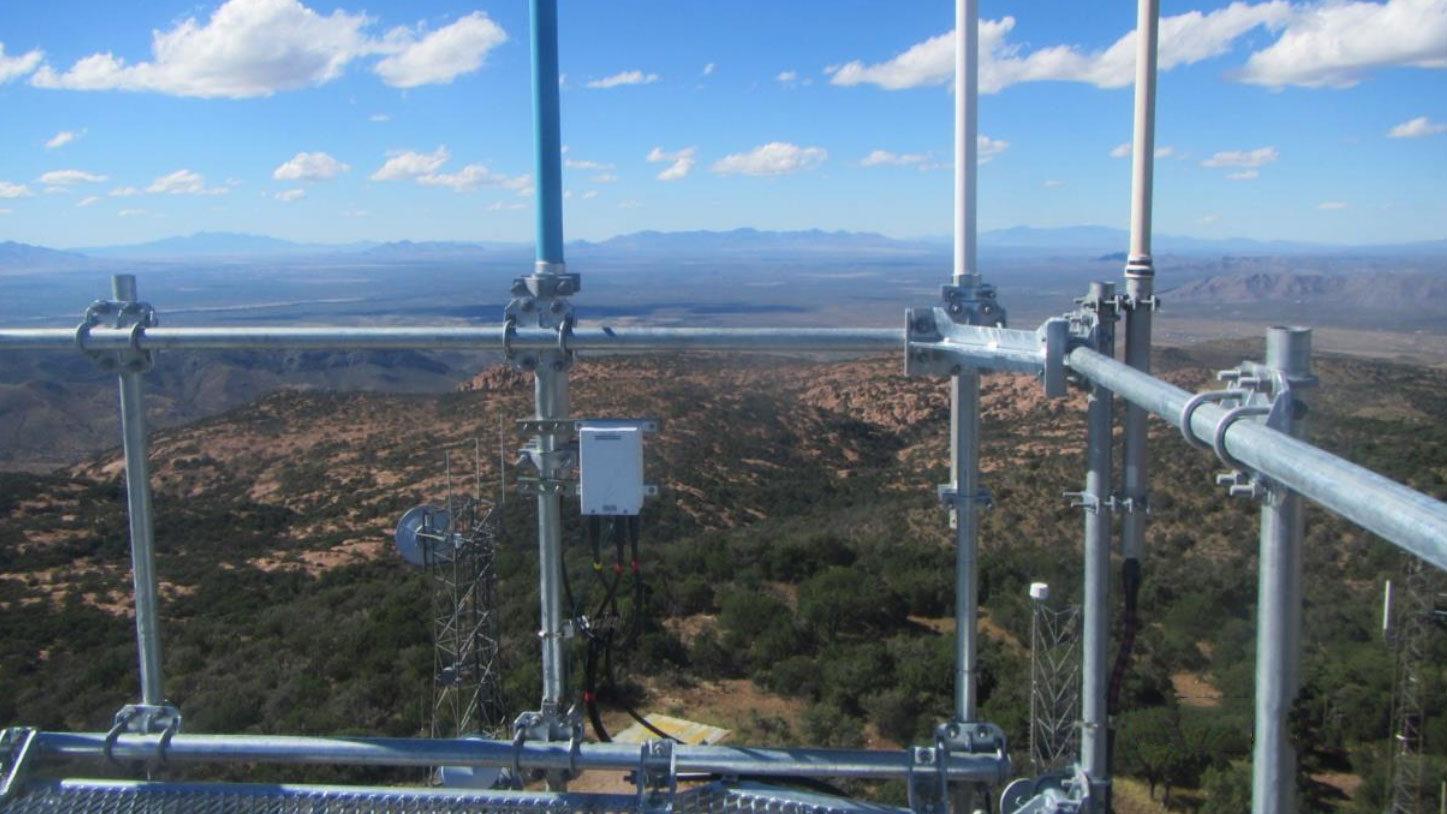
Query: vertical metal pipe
{"points": [[550, 390], [138, 505], [1100, 417], [965, 474], [1278, 607], [548, 162]]}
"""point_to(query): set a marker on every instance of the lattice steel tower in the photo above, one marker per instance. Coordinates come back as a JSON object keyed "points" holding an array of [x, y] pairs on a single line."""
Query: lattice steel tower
{"points": [[456, 544], [1054, 682], [1407, 629]]}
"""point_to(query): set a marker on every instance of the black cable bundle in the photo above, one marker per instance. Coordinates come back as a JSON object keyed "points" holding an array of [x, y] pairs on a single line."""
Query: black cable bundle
{"points": [[601, 628]]}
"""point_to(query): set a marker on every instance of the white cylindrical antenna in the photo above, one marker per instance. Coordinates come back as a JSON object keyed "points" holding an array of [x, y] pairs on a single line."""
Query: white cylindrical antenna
{"points": [[1144, 141], [1387, 611], [1039, 591], [967, 130]]}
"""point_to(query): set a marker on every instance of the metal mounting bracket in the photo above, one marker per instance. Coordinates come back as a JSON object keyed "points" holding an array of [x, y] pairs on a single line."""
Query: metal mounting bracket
{"points": [[1256, 390], [569, 426], [951, 498], [928, 776], [656, 776], [1089, 502], [937, 345], [146, 719], [1066, 791], [134, 317]]}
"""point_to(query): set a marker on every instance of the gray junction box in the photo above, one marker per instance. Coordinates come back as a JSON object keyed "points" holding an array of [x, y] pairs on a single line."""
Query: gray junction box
{"points": [[610, 466]]}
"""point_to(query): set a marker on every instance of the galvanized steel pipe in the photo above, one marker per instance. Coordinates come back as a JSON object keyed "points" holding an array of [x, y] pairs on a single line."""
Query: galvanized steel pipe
{"points": [[139, 515], [599, 338], [722, 760], [1403, 516]]}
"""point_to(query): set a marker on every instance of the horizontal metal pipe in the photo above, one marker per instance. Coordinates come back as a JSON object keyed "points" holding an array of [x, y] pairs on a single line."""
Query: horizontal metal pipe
{"points": [[723, 760], [1406, 517], [458, 338]]}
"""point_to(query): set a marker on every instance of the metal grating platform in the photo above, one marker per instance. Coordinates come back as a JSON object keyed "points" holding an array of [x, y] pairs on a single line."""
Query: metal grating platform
{"points": [[138, 797]]}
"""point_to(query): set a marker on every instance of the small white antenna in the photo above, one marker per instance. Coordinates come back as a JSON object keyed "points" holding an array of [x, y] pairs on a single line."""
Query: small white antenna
{"points": [[1387, 611]]}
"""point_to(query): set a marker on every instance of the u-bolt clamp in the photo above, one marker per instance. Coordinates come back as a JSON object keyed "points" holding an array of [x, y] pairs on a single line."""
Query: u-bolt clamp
{"points": [[1215, 396], [565, 331], [519, 737], [509, 331], [1218, 440]]}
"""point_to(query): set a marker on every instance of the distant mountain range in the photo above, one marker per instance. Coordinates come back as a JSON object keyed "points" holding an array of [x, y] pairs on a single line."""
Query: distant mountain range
{"points": [[1075, 242], [25, 256], [219, 243]]}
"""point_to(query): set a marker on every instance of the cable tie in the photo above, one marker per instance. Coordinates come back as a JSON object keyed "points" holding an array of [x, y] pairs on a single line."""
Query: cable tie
{"points": [[636, 567]]}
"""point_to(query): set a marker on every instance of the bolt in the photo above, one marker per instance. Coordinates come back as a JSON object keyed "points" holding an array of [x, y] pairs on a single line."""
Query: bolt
{"points": [[557, 307], [956, 308]]}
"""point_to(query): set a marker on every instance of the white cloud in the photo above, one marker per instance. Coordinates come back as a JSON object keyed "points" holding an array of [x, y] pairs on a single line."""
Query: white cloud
{"points": [[247, 48], [788, 76], [628, 203], [1416, 128], [1185, 39], [88, 200], [290, 195], [379, 118], [878, 158], [681, 162], [125, 192], [130, 213], [12, 190], [774, 158], [1259, 157], [182, 182], [403, 164], [1243, 175], [604, 178], [625, 78], [1052, 183], [1331, 205], [474, 176], [575, 164], [1335, 44], [60, 139], [1207, 220], [441, 56], [499, 206], [66, 178], [310, 167], [988, 149], [7, 211], [590, 194], [1165, 152], [709, 69], [16, 67]]}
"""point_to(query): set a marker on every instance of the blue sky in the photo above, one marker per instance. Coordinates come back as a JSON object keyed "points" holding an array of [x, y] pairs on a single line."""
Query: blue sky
{"points": [[1322, 121]]}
